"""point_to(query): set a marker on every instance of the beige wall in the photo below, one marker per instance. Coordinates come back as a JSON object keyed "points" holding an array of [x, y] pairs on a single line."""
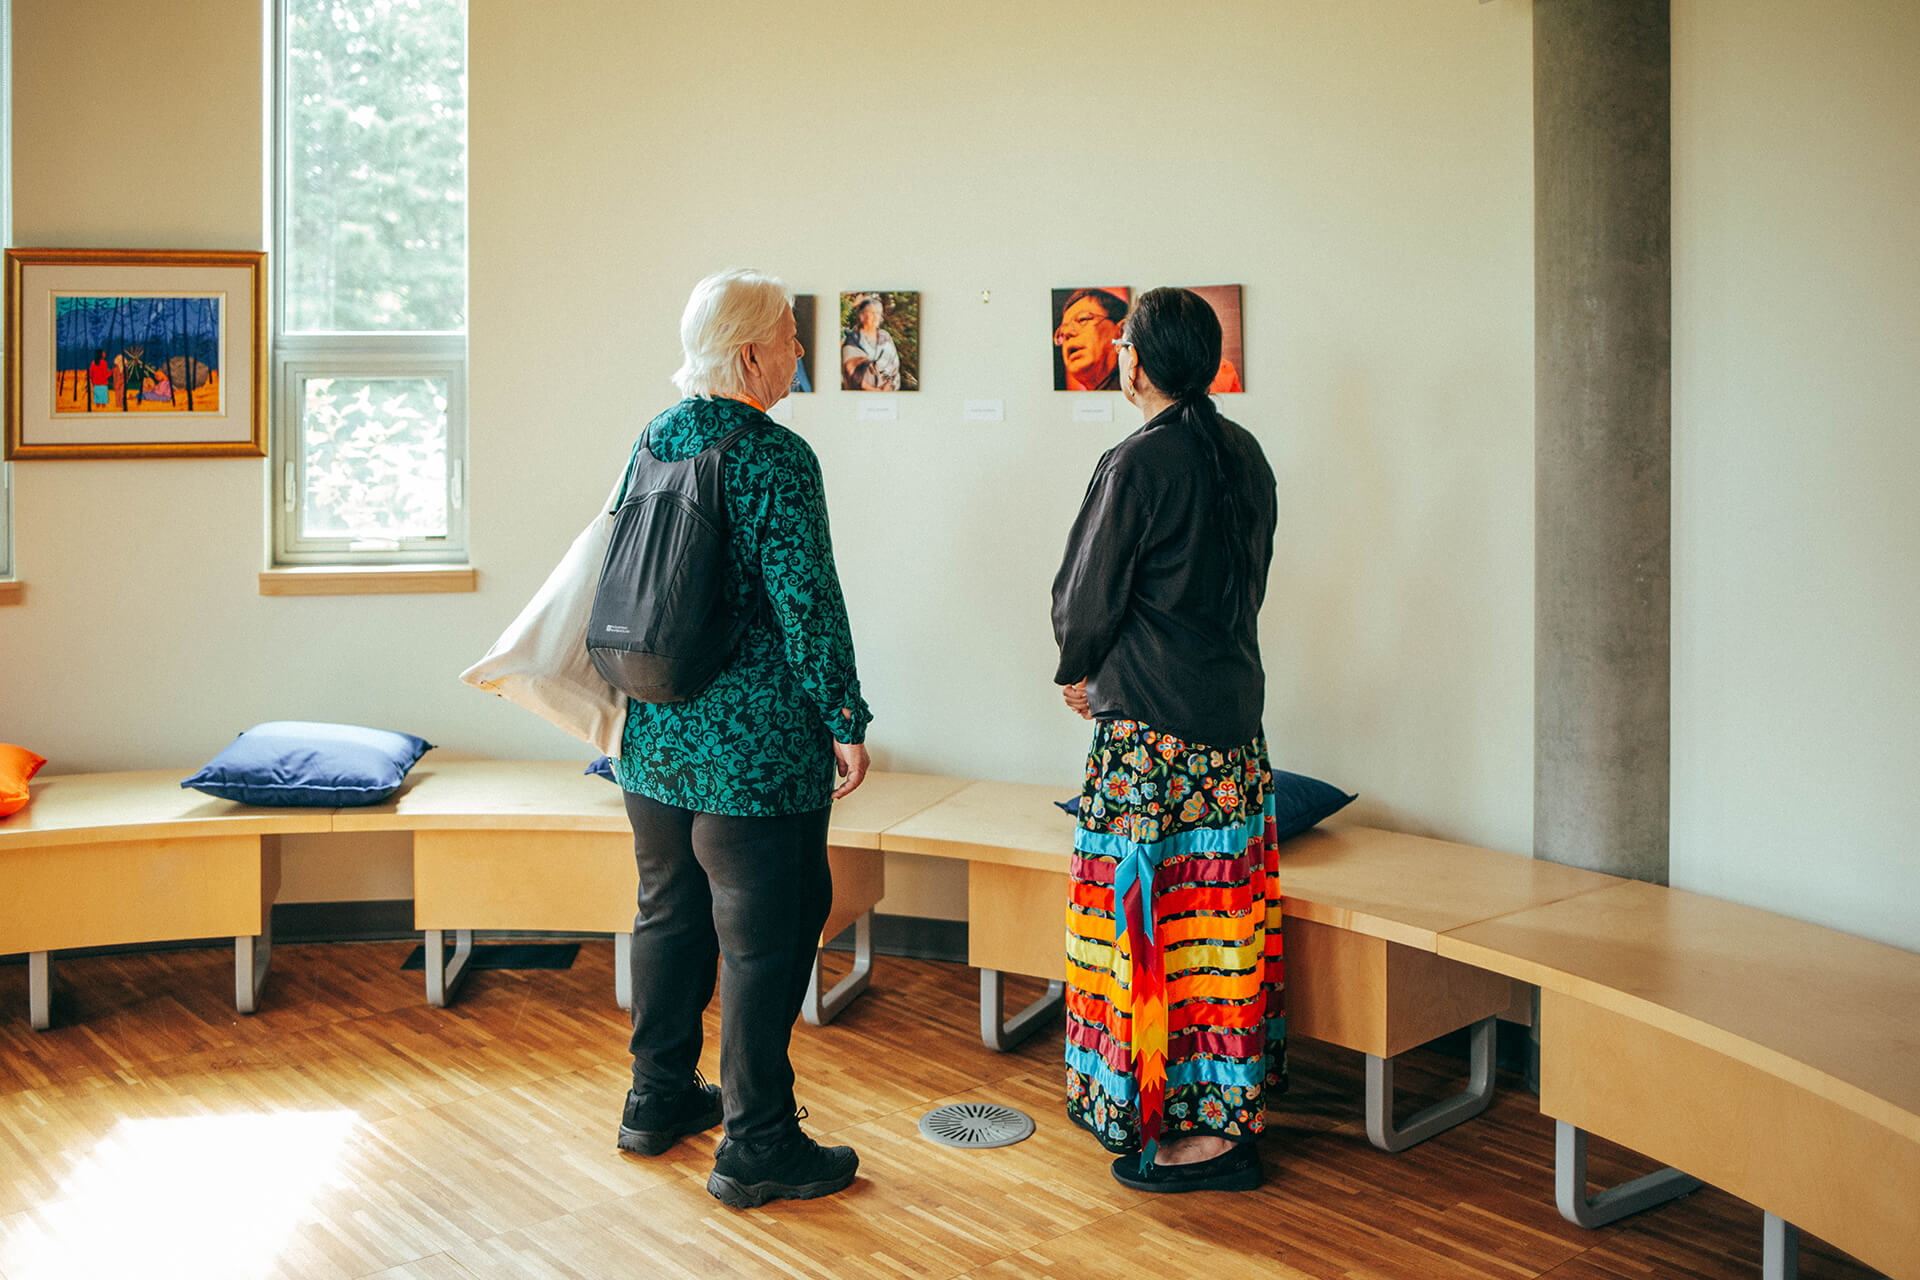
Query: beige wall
{"points": [[1796, 534], [1364, 170]]}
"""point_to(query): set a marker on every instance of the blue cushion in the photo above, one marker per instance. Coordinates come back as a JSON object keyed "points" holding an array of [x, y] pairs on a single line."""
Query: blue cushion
{"points": [[602, 768], [300, 762], [1300, 803]]}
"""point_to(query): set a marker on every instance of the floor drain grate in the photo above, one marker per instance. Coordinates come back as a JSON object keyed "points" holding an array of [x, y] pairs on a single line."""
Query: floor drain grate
{"points": [[976, 1124]]}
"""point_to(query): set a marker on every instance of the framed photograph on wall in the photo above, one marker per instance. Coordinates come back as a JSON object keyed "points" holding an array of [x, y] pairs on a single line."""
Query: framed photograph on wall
{"points": [[880, 340], [1086, 321], [804, 324], [135, 353], [1225, 301]]}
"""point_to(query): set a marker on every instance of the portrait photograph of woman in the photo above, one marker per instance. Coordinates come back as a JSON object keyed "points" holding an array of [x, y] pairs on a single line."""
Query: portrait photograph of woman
{"points": [[879, 341]]}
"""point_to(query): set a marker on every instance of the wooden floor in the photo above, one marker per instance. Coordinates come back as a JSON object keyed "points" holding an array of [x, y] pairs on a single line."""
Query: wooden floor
{"points": [[350, 1130]]}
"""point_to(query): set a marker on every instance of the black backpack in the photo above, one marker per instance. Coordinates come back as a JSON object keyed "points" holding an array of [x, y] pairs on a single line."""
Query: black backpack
{"points": [[661, 628]]}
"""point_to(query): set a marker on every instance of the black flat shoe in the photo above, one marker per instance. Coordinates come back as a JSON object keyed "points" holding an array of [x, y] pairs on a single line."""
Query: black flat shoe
{"points": [[1117, 1148], [1237, 1169]]}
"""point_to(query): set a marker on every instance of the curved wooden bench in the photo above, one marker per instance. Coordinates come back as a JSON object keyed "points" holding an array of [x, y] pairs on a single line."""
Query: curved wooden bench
{"points": [[1364, 913], [110, 858], [1775, 1059], [538, 845], [113, 859]]}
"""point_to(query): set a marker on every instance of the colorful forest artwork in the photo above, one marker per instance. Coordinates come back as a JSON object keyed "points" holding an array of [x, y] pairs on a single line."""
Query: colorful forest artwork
{"points": [[117, 353]]}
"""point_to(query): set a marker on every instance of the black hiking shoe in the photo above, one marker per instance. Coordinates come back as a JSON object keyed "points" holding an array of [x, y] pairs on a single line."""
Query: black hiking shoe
{"points": [[793, 1167], [651, 1124]]}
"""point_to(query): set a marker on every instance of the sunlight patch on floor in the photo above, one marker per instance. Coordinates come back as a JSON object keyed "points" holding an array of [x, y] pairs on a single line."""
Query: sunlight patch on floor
{"points": [[200, 1196]]}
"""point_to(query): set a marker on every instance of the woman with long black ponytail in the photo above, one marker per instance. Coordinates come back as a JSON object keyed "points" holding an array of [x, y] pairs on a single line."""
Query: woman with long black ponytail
{"points": [[1176, 1026]]}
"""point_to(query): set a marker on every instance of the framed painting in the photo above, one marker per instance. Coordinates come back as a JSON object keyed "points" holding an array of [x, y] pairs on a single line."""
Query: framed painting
{"points": [[135, 353]]}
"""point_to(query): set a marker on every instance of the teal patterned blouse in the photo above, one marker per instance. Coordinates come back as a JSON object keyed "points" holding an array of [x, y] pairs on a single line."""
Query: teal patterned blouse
{"points": [[758, 741]]}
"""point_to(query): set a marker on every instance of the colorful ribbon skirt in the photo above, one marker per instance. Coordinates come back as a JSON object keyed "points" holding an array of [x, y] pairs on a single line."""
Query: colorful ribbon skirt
{"points": [[1176, 978]]}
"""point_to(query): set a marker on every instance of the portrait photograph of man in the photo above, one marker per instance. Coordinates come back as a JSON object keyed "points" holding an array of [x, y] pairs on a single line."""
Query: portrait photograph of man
{"points": [[1085, 323]]}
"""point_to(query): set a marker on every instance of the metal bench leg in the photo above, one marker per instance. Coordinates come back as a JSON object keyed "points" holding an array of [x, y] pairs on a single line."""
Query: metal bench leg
{"points": [[1003, 1033], [1570, 1184], [1779, 1249], [39, 991], [623, 970], [1441, 1116], [251, 956], [444, 978], [819, 1010]]}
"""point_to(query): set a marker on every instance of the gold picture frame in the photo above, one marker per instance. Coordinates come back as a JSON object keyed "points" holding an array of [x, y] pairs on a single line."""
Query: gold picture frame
{"points": [[136, 353]]}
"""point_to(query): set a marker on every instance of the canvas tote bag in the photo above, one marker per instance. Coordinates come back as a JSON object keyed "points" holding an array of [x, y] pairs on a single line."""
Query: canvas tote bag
{"points": [[540, 662]]}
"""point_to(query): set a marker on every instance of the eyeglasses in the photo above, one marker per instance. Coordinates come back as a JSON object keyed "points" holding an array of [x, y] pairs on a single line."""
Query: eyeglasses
{"points": [[1074, 323]]}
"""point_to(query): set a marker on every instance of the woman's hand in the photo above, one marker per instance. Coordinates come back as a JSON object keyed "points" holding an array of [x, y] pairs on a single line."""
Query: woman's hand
{"points": [[850, 762], [1076, 698]]}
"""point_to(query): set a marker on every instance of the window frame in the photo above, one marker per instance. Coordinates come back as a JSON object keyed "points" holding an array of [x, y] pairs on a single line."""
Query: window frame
{"points": [[349, 354], [6, 522], [368, 361]]}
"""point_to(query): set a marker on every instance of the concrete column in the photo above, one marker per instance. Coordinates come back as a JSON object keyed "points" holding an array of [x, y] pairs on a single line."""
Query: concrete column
{"points": [[1602, 363]]}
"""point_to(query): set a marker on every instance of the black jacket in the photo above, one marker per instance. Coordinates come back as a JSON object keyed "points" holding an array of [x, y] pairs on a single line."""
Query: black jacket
{"points": [[1140, 609]]}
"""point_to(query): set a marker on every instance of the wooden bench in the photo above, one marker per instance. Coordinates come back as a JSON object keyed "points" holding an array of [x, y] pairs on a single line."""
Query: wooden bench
{"points": [[125, 858], [1364, 913], [111, 858], [538, 845], [1775, 1059]]}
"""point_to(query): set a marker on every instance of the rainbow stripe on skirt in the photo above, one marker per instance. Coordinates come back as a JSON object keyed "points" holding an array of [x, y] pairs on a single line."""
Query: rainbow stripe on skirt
{"points": [[1176, 972]]}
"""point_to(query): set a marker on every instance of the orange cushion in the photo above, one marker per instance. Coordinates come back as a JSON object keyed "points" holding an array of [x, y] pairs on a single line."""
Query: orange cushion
{"points": [[17, 765]]}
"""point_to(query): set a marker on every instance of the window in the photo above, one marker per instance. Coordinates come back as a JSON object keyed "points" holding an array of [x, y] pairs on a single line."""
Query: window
{"points": [[370, 273]]}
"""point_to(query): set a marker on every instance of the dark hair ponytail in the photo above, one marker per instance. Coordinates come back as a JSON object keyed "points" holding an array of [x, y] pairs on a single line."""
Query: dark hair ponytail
{"points": [[1176, 338]]}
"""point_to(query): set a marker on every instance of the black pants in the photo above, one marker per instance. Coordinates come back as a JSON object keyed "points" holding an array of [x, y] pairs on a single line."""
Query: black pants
{"points": [[754, 893]]}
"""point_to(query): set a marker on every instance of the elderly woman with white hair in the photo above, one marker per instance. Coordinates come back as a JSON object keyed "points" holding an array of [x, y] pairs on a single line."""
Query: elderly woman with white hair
{"points": [[729, 791], [868, 359]]}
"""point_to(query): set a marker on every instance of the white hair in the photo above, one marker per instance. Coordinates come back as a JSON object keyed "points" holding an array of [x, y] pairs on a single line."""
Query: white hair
{"points": [[728, 310]]}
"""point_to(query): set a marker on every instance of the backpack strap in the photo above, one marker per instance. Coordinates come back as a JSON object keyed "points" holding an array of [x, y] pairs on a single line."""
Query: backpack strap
{"points": [[725, 443]]}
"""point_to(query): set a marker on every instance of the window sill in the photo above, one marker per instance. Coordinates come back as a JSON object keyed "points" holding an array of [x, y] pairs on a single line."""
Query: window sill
{"points": [[13, 592], [381, 580]]}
